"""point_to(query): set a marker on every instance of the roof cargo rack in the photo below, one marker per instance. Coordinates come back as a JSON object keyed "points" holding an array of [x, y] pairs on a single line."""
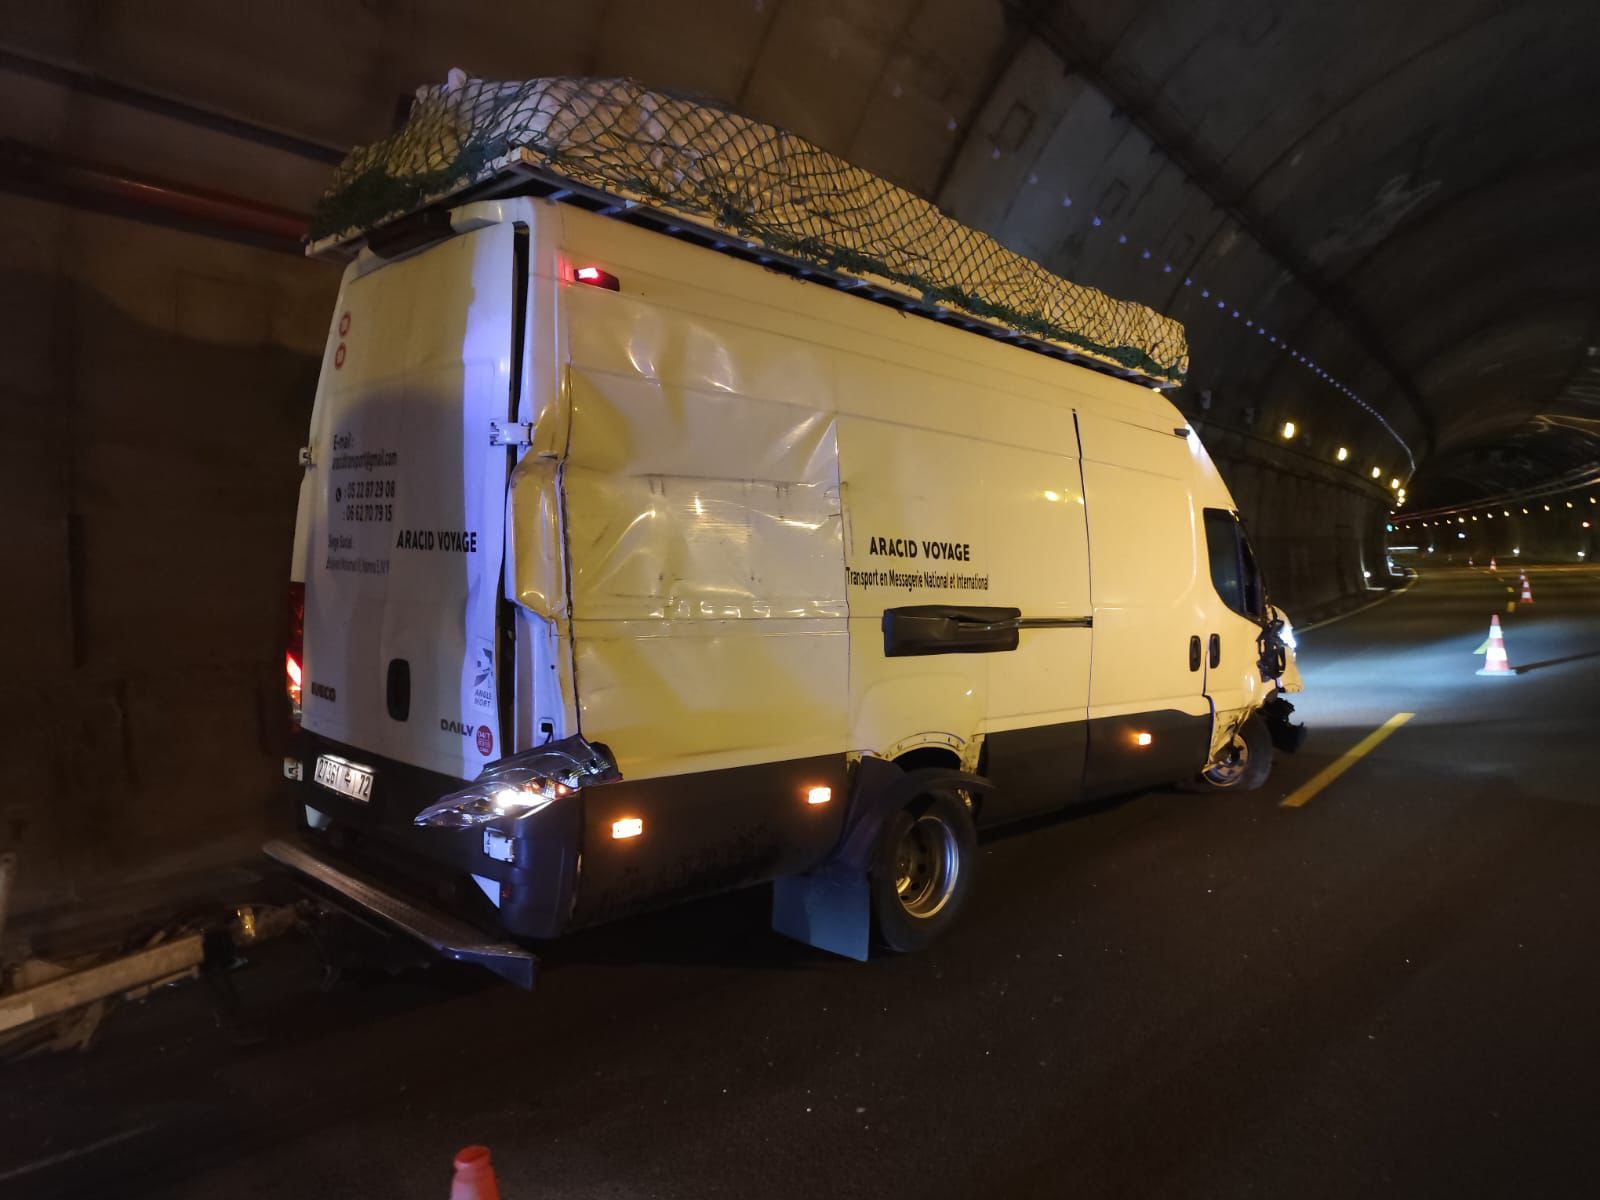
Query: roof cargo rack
{"points": [[744, 187]]}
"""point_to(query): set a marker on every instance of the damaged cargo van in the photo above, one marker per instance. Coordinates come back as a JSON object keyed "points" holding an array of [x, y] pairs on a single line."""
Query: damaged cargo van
{"points": [[628, 570]]}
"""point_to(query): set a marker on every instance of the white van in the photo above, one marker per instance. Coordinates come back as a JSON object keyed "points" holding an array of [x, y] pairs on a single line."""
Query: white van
{"points": [[628, 570]]}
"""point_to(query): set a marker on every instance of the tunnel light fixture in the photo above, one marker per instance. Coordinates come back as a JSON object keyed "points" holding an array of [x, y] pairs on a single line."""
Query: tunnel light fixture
{"points": [[1395, 484], [1524, 512], [1342, 454], [1547, 508], [1516, 549], [1288, 430], [1377, 472], [1505, 512], [1569, 503]]}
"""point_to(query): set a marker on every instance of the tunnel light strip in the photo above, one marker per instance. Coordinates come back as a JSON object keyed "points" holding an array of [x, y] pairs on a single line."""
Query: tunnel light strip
{"points": [[1344, 389], [1575, 480], [1585, 478]]}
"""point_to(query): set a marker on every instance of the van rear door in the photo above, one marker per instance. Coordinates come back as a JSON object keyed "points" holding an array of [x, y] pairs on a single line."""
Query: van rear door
{"points": [[403, 562]]}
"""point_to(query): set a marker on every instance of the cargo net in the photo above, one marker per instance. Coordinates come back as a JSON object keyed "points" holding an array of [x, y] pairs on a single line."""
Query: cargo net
{"points": [[702, 162]]}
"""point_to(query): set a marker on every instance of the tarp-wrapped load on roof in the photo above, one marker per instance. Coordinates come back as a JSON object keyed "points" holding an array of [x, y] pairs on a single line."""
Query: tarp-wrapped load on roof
{"points": [[711, 167]]}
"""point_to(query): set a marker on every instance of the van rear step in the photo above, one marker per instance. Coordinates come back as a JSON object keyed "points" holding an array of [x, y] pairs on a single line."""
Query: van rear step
{"points": [[445, 934]]}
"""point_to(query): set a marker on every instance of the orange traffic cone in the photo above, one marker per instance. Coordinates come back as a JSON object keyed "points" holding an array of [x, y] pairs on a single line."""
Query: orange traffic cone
{"points": [[1527, 591], [1494, 663], [474, 1178]]}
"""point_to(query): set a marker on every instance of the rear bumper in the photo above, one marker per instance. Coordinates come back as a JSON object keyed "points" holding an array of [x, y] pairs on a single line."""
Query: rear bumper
{"points": [[532, 872], [445, 934]]}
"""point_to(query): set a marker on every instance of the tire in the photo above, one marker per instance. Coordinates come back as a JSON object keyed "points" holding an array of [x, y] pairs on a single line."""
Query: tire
{"points": [[1249, 766], [922, 872]]}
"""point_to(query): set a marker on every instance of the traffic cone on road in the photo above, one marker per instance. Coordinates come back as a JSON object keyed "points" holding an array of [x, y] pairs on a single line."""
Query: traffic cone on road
{"points": [[1495, 662], [1527, 591], [474, 1178]]}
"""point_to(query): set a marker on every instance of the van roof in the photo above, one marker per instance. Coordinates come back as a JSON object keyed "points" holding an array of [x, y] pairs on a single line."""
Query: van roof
{"points": [[742, 186]]}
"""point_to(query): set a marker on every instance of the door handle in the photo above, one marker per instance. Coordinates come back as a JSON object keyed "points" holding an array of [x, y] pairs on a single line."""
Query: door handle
{"points": [[397, 689], [1194, 653], [1216, 650]]}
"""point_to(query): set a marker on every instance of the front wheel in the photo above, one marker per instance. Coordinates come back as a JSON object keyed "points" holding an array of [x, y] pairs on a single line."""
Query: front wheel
{"points": [[922, 872], [1244, 765]]}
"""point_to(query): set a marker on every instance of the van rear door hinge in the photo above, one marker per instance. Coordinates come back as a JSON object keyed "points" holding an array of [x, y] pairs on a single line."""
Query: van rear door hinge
{"points": [[510, 433]]}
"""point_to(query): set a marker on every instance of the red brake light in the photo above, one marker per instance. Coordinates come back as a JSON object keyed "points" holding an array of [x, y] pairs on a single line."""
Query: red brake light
{"points": [[595, 277], [295, 650]]}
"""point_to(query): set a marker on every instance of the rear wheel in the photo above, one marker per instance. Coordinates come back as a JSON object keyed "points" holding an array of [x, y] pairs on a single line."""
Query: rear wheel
{"points": [[1244, 765], [922, 872]]}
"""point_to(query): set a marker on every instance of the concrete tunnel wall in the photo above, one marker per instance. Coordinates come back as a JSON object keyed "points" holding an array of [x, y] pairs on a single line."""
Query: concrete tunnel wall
{"points": [[160, 386], [160, 378]]}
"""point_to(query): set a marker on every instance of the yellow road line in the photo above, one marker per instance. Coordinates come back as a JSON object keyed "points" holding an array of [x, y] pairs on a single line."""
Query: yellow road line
{"points": [[1308, 790]]}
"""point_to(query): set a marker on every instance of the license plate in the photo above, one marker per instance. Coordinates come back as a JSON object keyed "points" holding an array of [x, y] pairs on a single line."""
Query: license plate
{"points": [[345, 777]]}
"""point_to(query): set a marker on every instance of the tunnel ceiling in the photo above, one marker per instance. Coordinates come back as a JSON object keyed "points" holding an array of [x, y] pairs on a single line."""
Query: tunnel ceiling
{"points": [[1404, 194], [1436, 167]]}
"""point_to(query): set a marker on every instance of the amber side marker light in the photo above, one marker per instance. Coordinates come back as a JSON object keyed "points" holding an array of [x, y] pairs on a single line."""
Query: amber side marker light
{"points": [[1141, 739], [819, 795], [627, 827]]}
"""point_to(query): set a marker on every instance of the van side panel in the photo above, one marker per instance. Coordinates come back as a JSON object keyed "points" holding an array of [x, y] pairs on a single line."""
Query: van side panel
{"points": [[938, 437], [991, 516], [1149, 602], [704, 529]]}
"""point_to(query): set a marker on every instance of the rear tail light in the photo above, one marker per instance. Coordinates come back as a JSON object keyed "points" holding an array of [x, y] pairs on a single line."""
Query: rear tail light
{"points": [[295, 650]]}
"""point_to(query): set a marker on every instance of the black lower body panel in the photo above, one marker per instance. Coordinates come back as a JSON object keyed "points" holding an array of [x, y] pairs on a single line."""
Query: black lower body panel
{"points": [[1034, 770], [534, 868], [1143, 750], [562, 867]]}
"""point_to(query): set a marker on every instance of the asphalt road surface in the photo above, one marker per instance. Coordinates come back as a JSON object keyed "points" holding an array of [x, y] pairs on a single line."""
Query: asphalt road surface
{"points": [[1393, 988]]}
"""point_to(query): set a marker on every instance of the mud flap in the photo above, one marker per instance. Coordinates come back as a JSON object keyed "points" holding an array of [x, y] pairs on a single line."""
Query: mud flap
{"points": [[830, 906]]}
